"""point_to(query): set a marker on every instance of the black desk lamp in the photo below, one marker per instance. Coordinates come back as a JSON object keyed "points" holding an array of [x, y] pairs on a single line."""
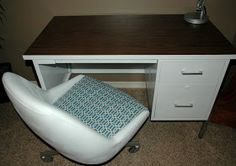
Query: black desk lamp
{"points": [[199, 16]]}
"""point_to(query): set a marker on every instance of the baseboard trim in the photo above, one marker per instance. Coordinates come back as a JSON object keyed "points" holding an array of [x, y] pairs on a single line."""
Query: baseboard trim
{"points": [[130, 84]]}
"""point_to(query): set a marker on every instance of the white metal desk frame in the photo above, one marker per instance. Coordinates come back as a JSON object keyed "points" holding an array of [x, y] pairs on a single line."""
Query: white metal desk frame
{"points": [[50, 76]]}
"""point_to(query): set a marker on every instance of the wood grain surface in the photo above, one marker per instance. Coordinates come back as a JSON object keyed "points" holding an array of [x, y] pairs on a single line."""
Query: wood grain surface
{"points": [[128, 34]]}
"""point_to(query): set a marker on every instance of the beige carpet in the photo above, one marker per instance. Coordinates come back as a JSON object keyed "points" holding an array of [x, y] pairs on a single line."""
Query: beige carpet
{"points": [[162, 143]]}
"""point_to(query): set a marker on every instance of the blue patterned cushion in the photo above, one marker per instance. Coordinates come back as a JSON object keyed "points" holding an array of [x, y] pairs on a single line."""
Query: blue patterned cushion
{"points": [[100, 106]]}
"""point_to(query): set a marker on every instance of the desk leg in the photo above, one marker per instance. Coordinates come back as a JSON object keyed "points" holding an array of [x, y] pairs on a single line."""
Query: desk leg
{"points": [[203, 129]]}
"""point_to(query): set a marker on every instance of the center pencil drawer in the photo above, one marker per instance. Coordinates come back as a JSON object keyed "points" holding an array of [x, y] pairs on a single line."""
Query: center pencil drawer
{"points": [[190, 71]]}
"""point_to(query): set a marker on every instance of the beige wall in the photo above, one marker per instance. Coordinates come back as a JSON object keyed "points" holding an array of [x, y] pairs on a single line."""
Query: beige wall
{"points": [[78, 7], [223, 14], [26, 19]]}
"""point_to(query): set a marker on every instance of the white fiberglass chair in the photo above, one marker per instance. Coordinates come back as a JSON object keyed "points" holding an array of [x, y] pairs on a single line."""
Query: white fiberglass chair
{"points": [[84, 119]]}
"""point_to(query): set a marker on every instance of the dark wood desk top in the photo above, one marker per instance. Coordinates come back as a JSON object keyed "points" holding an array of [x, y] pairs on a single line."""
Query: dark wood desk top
{"points": [[135, 34]]}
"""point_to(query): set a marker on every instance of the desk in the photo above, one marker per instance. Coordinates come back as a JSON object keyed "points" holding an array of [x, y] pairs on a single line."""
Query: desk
{"points": [[184, 64]]}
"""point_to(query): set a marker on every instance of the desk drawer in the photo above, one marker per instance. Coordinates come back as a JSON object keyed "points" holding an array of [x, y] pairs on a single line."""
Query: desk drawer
{"points": [[190, 71], [184, 102]]}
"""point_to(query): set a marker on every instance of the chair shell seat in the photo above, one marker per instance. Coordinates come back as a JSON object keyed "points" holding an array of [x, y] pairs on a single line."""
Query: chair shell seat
{"points": [[64, 132]]}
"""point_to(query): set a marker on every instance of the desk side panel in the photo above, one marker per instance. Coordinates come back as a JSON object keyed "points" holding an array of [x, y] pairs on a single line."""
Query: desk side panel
{"points": [[51, 75]]}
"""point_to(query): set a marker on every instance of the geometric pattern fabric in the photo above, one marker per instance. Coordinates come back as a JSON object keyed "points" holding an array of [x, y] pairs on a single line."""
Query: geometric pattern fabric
{"points": [[100, 106]]}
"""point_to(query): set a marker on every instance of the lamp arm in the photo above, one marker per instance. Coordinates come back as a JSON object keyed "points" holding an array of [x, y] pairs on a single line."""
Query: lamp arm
{"points": [[200, 5]]}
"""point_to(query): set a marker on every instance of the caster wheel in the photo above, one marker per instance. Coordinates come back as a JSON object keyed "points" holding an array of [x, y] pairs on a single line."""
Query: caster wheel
{"points": [[46, 158], [134, 149]]}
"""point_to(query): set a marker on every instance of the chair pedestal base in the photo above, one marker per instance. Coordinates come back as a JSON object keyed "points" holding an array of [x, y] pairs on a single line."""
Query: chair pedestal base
{"points": [[47, 156]]}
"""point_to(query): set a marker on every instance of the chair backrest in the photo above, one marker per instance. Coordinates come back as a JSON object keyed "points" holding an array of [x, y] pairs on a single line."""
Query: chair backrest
{"points": [[29, 101]]}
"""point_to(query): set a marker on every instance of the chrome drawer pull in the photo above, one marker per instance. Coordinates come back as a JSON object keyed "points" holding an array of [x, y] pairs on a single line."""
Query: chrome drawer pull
{"points": [[184, 105], [192, 73]]}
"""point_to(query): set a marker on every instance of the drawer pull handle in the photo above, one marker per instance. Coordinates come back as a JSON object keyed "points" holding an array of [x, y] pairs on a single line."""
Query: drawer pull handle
{"points": [[192, 73], [183, 105]]}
